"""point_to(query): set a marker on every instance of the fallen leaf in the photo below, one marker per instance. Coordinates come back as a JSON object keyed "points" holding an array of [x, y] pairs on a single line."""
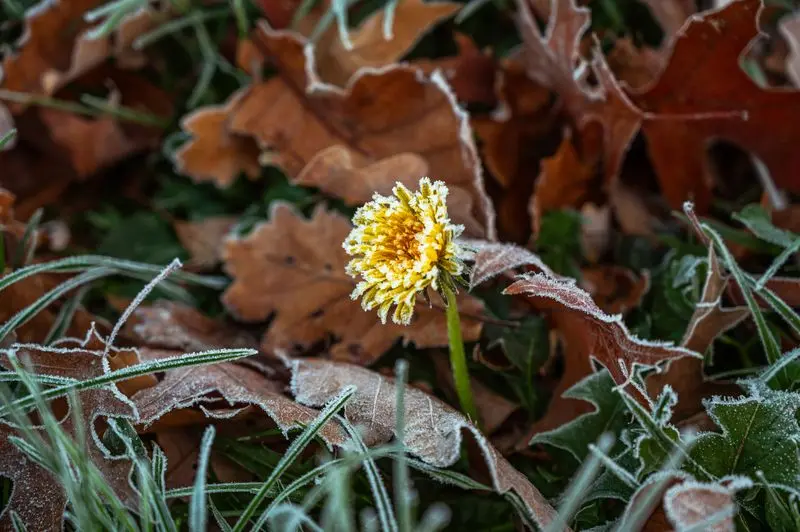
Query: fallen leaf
{"points": [[790, 29], [336, 64], [433, 430], [596, 231], [215, 153], [671, 15], [615, 289], [71, 359], [691, 503], [635, 67], [563, 182], [204, 239], [171, 325], [471, 73], [552, 59], [596, 334], [382, 113], [296, 268], [494, 258], [688, 106], [30, 481], [193, 386]]}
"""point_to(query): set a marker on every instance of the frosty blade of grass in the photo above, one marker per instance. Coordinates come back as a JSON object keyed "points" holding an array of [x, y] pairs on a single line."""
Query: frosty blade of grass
{"points": [[222, 523], [242, 23], [80, 263], [16, 522], [447, 476], [436, 518], [300, 13], [26, 98], [777, 264], [470, 9], [382, 502], [402, 487], [143, 368], [7, 138], [339, 8], [778, 305], [308, 477], [119, 6], [26, 314], [780, 366], [197, 504], [143, 293], [292, 453], [298, 516], [12, 376], [579, 485], [107, 26], [158, 471], [65, 315], [612, 466], [209, 54], [174, 26], [128, 114], [337, 514], [26, 247], [771, 348], [388, 19]]}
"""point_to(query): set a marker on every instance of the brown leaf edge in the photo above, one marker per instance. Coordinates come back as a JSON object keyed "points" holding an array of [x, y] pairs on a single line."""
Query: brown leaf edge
{"points": [[433, 429]]}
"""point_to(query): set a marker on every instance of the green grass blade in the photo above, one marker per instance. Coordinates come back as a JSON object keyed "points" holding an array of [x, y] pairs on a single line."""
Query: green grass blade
{"points": [[27, 247], [292, 453], [197, 504], [7, 138], [143, 368], [402, 487]]}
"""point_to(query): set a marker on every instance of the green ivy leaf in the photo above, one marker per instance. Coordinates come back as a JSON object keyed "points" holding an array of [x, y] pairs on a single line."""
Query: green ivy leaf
{"points": [[756, 219], [760, 436], [609, 416]]}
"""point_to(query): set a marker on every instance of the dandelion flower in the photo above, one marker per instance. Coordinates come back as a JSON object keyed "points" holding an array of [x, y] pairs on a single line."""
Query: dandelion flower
{"points": [[401, 245]]}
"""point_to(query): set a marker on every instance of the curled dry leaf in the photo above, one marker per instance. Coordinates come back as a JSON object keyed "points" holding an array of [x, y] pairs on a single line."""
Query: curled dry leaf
{"points": [[237, 385], [171, 325], [204, 239], [433, 430], [494, 258], [381, 114], [296, 268], [691, 503], [215, 153], [595, 334]]}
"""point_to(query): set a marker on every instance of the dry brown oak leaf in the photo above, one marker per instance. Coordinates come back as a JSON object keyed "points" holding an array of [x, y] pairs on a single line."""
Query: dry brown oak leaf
{"points": [[433, 430], [294, 267], [30, 482], [215, 153], [589, 333], [336, 64], [72, 360], [203, 239], [201, 386], [703, 94], [326, 137]]}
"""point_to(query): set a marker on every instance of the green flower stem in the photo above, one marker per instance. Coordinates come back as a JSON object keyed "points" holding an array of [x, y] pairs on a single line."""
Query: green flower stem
{"points": [[458, 361]]}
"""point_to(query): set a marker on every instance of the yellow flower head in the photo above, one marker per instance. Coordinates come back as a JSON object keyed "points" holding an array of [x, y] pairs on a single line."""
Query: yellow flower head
{"points": [[400, 246]]}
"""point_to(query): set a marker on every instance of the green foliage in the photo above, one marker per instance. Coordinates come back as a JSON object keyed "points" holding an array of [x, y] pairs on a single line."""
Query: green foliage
{"points": [[559, 243], [760, 435]]}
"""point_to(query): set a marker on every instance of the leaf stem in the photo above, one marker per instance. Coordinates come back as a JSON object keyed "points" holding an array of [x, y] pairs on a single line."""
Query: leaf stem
{"points": [[458, 360]]}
